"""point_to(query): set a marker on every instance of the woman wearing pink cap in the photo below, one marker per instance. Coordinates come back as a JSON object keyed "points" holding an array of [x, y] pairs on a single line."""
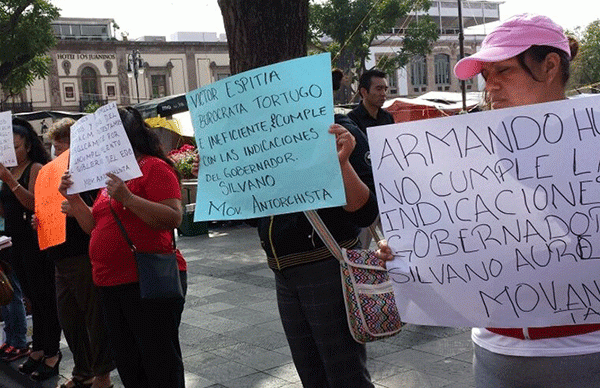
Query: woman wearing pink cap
{"points": [[525, 61]]}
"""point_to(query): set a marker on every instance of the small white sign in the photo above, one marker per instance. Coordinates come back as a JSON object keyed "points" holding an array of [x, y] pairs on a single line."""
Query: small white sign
{"points": [[7, 147], [99, 144]]}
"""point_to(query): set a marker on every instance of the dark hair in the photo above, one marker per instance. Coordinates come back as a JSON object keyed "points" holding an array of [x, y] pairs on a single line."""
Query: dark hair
{"points": [[336, 78], [37, 153], [143, 140], [365, 79], [539, 53]]}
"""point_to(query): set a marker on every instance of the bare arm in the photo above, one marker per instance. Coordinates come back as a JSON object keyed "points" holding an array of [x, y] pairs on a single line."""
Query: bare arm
{"points": [[166, 214], [23, 194]]}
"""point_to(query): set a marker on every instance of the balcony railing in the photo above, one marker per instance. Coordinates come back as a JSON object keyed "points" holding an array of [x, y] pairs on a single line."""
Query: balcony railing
{"points": [[16, 107]]}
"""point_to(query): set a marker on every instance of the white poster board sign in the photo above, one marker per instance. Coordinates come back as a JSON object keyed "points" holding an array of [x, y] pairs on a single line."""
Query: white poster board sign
{"points": [[7, 147], [99, 145], [494, 217]]}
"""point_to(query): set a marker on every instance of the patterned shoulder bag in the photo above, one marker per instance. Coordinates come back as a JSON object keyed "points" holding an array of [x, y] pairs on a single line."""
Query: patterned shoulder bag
{"points": [[370, 303]]}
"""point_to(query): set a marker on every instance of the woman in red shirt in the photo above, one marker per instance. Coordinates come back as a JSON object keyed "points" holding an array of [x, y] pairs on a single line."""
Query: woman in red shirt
{"points": [[144, 333]]}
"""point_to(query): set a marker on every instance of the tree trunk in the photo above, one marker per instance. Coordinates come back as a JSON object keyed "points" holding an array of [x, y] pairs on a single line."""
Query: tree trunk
{"points": [[263, 32]]}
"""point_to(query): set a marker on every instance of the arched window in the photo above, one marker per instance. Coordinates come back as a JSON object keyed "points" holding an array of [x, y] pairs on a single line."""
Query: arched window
{"points": [[418, 72], [89, 85], [442, 70]]}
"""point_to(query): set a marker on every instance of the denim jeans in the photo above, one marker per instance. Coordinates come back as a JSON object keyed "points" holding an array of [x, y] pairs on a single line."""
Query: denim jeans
{"points": [[15, 322]]}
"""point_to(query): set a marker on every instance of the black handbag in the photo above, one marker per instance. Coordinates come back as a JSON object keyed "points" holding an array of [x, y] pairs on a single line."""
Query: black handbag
{"points": [[158, 273]]}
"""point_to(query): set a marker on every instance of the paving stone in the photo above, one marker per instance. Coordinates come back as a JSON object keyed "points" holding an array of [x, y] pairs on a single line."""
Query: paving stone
{"points": [[454, 370], [380, 370], [286, 372], [253, 356], [378, 349], [415, 379], [194, 381], [225, 371], [274, 325], [247, 316], [406, 339], [267, 339], [259, 379], [410, 358], [447, 347]]}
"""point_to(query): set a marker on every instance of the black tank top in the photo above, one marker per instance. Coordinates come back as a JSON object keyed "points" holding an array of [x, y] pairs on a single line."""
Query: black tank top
{"points": [[17, 218]]}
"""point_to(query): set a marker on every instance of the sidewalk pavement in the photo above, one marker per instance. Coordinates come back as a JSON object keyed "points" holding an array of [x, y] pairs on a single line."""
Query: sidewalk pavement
{"points": [[231, 335]]}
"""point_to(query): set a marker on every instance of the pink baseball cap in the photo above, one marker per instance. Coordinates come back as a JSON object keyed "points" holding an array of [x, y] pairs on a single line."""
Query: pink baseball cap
{"points": [[510, 39]]}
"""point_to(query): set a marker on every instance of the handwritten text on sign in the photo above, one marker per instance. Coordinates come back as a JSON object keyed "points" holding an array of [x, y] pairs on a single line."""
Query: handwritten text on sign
{"points": [[494, 217], [263, 142], [7, 148], [99, 145]]}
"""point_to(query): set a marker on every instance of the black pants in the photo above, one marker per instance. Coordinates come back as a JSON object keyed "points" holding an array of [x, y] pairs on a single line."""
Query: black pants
{"points": [[36, 275], [144, 336], [312, 310], [81, 318]]}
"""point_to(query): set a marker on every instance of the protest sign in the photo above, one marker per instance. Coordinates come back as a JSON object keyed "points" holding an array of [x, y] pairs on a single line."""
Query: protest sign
{"points": [[7, 147], [52, 223], [263, 142], [494, 217], [99, 145]]}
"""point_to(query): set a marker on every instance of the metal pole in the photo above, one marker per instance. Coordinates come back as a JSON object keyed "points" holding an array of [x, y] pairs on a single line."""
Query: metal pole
{"points": [[135, 60], [461, 45]]}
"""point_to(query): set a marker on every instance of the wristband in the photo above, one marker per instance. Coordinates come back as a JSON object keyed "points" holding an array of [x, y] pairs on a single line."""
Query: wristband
{"points": [[13, 189]]}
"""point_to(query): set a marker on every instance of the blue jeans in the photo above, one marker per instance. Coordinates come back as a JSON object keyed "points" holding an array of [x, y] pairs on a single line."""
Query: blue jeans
{"points": [[15, 323]]}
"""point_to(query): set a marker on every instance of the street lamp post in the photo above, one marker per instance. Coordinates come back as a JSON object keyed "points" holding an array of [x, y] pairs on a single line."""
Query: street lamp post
{"points": [[461, 45], [134, 64]]}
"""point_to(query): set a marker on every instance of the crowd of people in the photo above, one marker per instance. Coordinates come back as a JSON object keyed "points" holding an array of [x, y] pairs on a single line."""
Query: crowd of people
{"points": [[84, 286], [90, 289]]}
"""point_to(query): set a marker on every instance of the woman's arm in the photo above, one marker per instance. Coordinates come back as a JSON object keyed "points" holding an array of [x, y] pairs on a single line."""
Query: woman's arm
{"points": [[166, 214], [76, 206], [23, 194], [357, 192]]}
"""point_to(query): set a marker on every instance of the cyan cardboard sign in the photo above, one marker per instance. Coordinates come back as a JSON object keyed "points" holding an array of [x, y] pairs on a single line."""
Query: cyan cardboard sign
{"points": [[263, 142]]}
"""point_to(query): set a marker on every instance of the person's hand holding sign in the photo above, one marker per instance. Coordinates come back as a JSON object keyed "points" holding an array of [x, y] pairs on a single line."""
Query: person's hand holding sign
{"points": [[357, 193], [4, 173], [344, 142], [75, 205], [65, 183], [117, 189]]}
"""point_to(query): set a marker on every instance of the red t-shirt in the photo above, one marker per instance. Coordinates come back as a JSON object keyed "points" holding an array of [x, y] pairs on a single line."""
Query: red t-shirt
{"points": [[112, 260]]}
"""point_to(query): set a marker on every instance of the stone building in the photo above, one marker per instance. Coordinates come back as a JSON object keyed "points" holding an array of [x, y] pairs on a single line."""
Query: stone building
{"points": [[433, 72], [89, 65]]}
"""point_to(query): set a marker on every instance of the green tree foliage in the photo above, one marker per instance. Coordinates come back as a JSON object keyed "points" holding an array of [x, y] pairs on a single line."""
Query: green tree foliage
{"points": [[25, 36], [353, 25], [585, 69]]}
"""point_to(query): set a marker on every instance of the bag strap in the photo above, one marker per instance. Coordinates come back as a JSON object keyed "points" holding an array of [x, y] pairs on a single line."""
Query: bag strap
{"points": [[121, 227], [373, 230], [124, 232], [319, 226]]}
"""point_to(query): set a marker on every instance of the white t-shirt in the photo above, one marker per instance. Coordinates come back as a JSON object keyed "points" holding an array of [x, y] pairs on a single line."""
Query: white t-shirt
{"points": [[547, 347]]}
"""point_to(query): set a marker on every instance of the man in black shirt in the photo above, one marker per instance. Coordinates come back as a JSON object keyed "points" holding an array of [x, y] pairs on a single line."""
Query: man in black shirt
{"points": [[373, 87]]}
